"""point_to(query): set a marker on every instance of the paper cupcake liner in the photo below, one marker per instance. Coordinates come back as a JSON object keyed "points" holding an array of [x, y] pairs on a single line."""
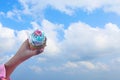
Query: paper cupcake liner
{"points": [[32, 47]]}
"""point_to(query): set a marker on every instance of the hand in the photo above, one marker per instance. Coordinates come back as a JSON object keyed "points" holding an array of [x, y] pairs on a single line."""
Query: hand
{"points": [[22, 54], [25, 50]]}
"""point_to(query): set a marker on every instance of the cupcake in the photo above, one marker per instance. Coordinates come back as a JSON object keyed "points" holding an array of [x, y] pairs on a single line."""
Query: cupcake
{"points": [[37, 40]]}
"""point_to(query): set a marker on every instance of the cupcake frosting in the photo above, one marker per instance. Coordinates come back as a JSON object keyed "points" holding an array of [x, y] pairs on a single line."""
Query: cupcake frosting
{"points": [[37, 38]]}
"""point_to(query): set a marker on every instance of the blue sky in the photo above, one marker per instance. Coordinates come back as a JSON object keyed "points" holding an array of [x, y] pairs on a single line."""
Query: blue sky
{"points": [[83, 38]]}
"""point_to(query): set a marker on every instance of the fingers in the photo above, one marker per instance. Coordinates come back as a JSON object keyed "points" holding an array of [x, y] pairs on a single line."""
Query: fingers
{"points": [[41, 49], [38, 51]]}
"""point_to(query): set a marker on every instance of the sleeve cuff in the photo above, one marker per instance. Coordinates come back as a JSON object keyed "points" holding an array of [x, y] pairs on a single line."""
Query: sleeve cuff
{"points": [[2, 72]]}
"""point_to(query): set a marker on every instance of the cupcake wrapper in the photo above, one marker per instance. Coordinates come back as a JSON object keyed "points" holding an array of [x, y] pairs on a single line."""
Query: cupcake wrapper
{"points": [[34, 47]]}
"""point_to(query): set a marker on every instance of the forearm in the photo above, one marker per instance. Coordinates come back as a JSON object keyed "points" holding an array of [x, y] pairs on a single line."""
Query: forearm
{"points": [[13, 63], [22, 54]]}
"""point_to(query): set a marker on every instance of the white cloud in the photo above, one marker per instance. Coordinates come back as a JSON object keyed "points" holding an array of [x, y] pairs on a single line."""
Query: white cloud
{"points": [[51, 31], [11, 39], [69, 6], [22, 35], [116, 60], [86, 65], [36, 8], [85, 40], [14, 14], [102, 66], [80, 39], [7, 39], [112, 6], [79, 67], [36, 69], [41, 59], [4, 59]]}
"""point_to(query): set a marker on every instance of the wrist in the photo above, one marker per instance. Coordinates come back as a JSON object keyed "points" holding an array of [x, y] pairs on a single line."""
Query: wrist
{"points": [[20, 57]]}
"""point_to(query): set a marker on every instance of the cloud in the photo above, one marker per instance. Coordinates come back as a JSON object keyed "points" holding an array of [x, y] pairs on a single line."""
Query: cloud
{"points": [[111, 6], [116, 60], [7, 39], [79, 49], [87, 41], [5, 58], [22, 35], [75, 67], [36, 69], [78, 67], [15, 14], [41, 59], [11, 39], [85, 66], [80, 40], [36, 8], [69, 6]]}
